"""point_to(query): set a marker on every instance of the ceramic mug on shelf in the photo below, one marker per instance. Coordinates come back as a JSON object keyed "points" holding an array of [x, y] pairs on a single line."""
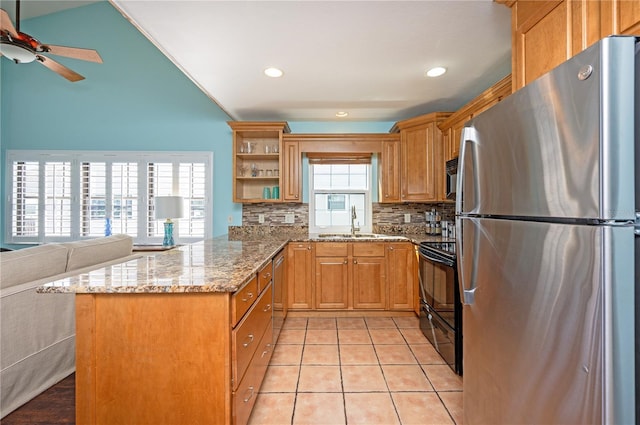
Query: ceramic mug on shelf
{"points": [[266, 193], [275, 192]]}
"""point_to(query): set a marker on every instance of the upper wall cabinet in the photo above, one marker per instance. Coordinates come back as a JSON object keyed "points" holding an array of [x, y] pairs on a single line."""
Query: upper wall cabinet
{"points": [[422, 160], [256, 160], [546, 33], [339, 147], [452, 126], [389, 172], [291, 175]]}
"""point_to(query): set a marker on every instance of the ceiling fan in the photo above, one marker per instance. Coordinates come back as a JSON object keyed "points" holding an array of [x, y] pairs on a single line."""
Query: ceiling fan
{"points": [[22, 48]]}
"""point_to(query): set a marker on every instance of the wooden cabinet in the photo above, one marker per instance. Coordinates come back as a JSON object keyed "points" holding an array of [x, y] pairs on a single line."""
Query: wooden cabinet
{"points": [[291, 175], [453, 125], [402, 276], [299, 275], [208, 352], [257, 163], [368, 276], [389, 172], [350, 276], [422, 163], [332, 275], [546, 33]]}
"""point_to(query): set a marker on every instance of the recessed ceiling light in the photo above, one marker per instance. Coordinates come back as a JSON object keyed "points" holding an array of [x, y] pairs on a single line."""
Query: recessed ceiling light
{"points": [[436, 72], [341, 114], [273, 72]]}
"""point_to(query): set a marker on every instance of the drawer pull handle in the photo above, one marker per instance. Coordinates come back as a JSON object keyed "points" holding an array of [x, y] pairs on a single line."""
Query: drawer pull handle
{"points": [[248, 297], [355, 261], [345, 261], [268, 348], [267, 308], [246, 344], [250, 391], [267, 276]]}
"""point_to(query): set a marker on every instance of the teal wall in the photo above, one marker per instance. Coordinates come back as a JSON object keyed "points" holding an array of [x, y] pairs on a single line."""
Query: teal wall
{"points": [[136, 100]]}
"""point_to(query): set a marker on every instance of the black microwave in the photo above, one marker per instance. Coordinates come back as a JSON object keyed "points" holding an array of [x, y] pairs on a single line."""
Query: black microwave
{"points": [[452, 178]]}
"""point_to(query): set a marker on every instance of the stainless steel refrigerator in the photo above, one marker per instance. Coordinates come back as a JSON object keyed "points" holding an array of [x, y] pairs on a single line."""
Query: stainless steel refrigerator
{"points": [[546, 213]]}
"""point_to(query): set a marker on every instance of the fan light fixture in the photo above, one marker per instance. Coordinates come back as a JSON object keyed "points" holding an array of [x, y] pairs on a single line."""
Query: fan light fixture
{"points": [[435, 72], [17, 53], [273, 72], [20, 47], [342, 114]]}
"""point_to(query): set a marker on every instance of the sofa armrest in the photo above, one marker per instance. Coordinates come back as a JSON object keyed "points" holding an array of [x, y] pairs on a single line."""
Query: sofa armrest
{"points": [[87, 253], [29, 264]]}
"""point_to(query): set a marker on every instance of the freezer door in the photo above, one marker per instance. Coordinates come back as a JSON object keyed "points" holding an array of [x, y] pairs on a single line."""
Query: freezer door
{"points": [[548, 323], [563, 146]]}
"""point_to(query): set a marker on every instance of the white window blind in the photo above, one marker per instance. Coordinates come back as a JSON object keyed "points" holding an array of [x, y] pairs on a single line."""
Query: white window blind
{"points": [[93, 198], [57, 196], [125, 202], [25, 205], [57, 199]]}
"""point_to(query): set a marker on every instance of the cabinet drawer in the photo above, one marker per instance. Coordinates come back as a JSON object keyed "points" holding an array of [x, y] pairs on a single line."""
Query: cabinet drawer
{"points": [[264, 276], [245, 396], [246, 336], [242, 300], [368, 249], [332, 249]]}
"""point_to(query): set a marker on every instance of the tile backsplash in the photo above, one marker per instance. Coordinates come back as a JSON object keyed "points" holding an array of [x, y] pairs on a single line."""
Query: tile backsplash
{"points": [[385, 216]]}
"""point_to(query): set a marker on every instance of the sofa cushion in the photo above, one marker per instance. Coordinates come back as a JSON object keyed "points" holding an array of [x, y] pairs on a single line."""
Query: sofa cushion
{"points": [[93, 251], [25, 265]]}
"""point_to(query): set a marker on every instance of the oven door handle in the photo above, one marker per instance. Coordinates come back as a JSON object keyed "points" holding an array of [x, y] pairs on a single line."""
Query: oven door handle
{"points": [[437, 260]]}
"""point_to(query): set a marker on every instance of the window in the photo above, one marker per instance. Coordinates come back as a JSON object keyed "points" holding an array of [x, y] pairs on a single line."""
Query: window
{"points": [[335, 189], [59, 196]]}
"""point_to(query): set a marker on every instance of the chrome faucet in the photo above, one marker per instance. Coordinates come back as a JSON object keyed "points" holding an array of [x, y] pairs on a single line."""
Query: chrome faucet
{"points": [[354, 229]]}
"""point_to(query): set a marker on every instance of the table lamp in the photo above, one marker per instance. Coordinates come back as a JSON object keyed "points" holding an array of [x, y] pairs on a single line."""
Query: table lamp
{"points": [[168, 207]]}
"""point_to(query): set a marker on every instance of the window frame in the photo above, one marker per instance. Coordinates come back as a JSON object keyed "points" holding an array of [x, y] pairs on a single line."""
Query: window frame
{"points": [[368, 204], [77, 158]]}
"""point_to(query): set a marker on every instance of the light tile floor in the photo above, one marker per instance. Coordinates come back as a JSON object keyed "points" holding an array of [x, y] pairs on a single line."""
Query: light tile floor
{"points": [[376, 370]]}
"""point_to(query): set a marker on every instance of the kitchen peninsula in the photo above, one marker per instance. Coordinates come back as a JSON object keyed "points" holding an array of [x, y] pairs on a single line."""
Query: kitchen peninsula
{"points": [[182, 335]]}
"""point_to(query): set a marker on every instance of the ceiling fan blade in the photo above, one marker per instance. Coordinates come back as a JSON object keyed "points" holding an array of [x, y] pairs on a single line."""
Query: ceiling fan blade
{"points": [[74, 52], [6, 24], [59, 69]]}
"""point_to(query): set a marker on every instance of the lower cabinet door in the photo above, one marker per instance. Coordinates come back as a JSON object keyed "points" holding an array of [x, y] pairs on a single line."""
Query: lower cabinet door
{"points": [[332, 283], [245, 396], [369, 286]]}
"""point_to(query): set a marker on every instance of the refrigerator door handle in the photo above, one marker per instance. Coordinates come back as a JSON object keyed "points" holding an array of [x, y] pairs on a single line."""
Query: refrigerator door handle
{"points": [[637, 225], [469, 135], [467, 284]]}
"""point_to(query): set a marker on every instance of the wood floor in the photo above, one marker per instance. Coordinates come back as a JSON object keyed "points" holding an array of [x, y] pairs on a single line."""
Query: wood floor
{"points": [[52, 407]]}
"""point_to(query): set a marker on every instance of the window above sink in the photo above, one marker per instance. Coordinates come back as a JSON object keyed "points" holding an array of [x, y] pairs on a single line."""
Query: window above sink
{"points": [[335, 188]]}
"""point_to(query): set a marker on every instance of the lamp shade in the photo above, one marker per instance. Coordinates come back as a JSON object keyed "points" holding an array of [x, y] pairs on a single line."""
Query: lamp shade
{"points": [[168, 207]]}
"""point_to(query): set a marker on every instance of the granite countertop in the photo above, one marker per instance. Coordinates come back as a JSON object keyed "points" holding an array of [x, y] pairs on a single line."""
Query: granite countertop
{"points": [[213, 265]]}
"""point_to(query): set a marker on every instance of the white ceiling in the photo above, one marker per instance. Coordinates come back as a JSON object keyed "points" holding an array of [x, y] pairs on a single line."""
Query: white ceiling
{"points": [[367, 58]]}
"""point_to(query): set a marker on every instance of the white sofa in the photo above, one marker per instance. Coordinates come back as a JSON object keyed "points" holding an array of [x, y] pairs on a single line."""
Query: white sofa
{"points": [[37, 331]]}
